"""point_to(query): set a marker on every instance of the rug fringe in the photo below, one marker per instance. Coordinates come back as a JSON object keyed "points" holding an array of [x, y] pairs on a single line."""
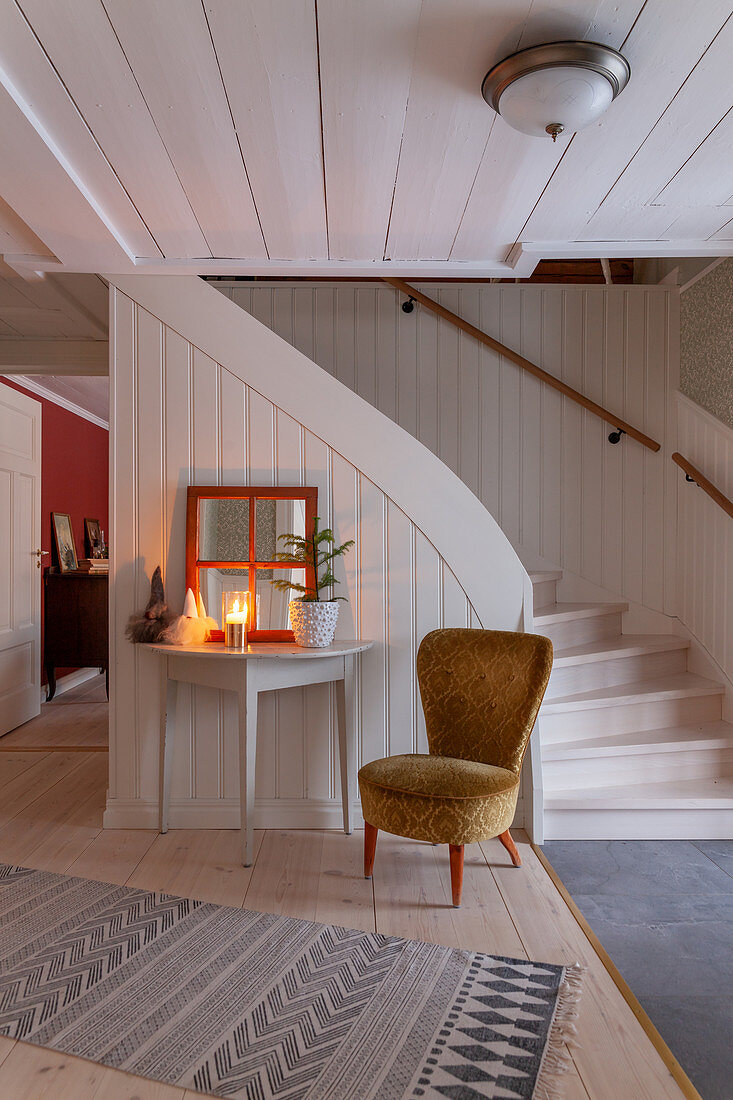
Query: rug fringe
{"points": [[563, 1034]]}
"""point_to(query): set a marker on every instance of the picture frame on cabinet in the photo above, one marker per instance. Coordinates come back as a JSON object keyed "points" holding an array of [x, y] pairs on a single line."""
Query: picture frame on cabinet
{"points": [[92, 537], [64, 542]]}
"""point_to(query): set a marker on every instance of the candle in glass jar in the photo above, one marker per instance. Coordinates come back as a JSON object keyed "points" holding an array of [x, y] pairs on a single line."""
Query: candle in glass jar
{"points": [[235, 620]]}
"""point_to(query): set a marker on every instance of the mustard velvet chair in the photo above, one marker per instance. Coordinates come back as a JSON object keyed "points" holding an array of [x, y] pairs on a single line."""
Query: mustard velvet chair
{"points": [[481, 691]]}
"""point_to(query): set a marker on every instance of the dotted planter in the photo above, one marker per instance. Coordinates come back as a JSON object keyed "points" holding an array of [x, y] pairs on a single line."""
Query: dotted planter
{"points": [[314, 624]]}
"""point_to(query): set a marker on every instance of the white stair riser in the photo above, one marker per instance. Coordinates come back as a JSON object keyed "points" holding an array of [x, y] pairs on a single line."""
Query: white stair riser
{"points": [[589, 675], [581, 631], [629, 718], [675, 823], [603, 771], [545, 592]]}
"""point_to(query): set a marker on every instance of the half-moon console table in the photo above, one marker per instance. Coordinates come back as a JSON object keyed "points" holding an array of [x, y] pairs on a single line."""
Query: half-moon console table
{"points": [[265, 666]]}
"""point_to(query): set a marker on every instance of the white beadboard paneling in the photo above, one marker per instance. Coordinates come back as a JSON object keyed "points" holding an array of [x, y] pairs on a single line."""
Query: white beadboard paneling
{"points": [[184, 417], [705, 533], [542, 465]]}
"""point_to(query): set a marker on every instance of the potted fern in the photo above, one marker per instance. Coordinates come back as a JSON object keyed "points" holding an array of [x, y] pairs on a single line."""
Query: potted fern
{"points": [[313, 619]]}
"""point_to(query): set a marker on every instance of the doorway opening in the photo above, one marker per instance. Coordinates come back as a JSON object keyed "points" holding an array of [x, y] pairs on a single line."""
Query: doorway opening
{"points": [[55, 665]]}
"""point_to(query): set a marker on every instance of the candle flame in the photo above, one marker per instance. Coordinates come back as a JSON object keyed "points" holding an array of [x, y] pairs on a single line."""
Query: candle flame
{"points": [[236, 606]]}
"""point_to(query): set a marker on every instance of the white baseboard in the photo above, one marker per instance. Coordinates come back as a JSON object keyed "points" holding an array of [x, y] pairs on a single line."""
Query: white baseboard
{"points": [[223, 813], [270, 813], [71, 680]]}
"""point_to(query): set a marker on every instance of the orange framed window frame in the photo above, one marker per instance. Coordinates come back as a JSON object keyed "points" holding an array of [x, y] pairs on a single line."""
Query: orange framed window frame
{"points": [[197, 493]]}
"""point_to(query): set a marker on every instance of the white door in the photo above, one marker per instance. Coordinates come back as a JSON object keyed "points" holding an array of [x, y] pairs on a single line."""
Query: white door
{"points": [[20, 572]]}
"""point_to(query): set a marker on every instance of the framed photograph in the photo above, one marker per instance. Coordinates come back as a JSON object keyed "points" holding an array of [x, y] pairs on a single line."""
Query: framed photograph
{"points": [[64, 539], [92, 536]]}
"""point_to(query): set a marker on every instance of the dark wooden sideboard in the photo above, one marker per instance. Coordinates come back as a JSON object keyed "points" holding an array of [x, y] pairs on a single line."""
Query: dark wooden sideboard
{"points": [[75, 623]]}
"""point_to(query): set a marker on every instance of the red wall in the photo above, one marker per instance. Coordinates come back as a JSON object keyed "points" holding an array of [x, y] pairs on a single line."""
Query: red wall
{"points": [[74, 474]]}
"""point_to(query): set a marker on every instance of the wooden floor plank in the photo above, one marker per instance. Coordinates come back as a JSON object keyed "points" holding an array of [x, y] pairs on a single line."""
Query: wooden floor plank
{"points": [[58, 818], [286, 874], [13, 764], [413, 898], [196, 863], [614, 1057], [37, 1073], [345, 897], [113, 855], [72, 724], [23, 789]]}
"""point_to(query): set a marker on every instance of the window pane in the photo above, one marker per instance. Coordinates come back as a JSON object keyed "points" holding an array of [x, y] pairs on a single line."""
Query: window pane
{"points": [[271, 604], [274, 518], [223, 529], [214, 582]]}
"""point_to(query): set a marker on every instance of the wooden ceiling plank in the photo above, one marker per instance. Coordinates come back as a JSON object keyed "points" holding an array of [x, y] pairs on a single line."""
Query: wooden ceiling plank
{"points": [[17, 237], [39, 189], [666, 42], [19, 356], [515, 167], [169, 49], [706, 177], [69, 295], [366, 54], [450, 131], [269, 63], [24, 62], [447, 122], [672, 168], [84, 49]]}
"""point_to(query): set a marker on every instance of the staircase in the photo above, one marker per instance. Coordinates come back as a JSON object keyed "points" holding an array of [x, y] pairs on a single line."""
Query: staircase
{"points": [[633, 745]]}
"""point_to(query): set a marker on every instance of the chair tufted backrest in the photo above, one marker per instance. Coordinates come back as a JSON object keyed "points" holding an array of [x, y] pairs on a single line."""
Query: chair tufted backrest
{"points": [[481, 690]]}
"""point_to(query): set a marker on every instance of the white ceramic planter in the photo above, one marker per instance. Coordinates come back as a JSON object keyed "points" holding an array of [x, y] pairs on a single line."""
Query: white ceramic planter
{"points": [[314, 624]]}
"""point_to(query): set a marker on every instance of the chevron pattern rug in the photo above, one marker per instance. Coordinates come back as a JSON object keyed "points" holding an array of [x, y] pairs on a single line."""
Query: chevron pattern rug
{"points": [[250, 1005]]}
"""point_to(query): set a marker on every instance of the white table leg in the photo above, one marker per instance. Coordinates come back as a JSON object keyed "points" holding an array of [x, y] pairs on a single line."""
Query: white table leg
{"points": [[168, 697], [344, 714], [247, 761]]}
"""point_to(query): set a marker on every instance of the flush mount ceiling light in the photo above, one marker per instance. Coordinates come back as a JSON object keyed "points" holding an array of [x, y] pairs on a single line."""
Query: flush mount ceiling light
{"points": [[556, 88]]}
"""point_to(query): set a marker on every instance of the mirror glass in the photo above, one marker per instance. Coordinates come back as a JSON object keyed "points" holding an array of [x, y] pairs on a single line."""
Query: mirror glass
{"points": [[214, 582], [224, 529], [272, 605], [274, 518]]}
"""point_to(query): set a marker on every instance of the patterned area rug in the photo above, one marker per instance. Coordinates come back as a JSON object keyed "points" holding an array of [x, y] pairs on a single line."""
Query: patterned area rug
{"points": [[252, 1005]]}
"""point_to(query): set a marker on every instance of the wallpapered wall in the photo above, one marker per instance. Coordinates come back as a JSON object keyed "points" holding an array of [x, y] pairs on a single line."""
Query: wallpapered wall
{"points": [[706, 366]]}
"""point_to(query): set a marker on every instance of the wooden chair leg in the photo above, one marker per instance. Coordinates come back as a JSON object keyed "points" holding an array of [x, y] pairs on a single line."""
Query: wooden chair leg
{"points": [[370, 848], [506, 839], [456, 872]]}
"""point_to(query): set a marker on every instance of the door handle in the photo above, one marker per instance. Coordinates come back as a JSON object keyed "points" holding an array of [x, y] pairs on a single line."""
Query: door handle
{"points": [[39, 555]]}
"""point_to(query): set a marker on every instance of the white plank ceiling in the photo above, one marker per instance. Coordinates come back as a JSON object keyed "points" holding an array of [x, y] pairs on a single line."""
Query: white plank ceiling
{"points": [[297, 137]]}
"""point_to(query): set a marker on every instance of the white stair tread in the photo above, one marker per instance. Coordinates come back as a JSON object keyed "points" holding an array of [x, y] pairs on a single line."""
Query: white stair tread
{"points": [[539, 575], [708, 735], [676, 794], [566, 612], [626, 645], [679, 686]]}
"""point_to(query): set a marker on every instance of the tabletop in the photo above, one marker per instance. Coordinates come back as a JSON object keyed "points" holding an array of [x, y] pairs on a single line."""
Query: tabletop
{"points": [[261, 650]]}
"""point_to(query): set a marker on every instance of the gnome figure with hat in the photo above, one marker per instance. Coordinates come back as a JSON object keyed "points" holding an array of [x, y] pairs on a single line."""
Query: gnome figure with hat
{"points": [[157, 623]]}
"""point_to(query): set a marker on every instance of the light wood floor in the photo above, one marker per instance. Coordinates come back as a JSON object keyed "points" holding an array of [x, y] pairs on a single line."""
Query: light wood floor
{"points": [[51, 805]]}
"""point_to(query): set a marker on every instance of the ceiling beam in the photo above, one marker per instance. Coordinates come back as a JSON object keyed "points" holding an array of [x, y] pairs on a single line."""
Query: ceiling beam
{"points": [[54, 356]]}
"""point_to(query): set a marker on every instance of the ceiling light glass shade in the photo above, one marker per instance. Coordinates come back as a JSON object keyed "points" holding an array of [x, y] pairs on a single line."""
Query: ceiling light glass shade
{"points": [[555, 88], [570, 97]]}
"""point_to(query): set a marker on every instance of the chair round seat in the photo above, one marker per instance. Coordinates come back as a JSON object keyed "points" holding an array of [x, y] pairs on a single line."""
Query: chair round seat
{"points": [[441, 799]]}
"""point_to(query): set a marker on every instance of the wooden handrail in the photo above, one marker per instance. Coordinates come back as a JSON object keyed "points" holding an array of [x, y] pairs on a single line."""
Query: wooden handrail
{"points": [[525, 364], [693, 474]]}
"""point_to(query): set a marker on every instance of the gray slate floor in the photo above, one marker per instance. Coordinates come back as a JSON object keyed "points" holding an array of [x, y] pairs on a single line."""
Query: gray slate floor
{"points": [[664, 912]]}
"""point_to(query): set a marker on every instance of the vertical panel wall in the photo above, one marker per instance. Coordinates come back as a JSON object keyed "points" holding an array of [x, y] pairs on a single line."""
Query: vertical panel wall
{"points": [[705, 539], [181, 418], [539, 463]]}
